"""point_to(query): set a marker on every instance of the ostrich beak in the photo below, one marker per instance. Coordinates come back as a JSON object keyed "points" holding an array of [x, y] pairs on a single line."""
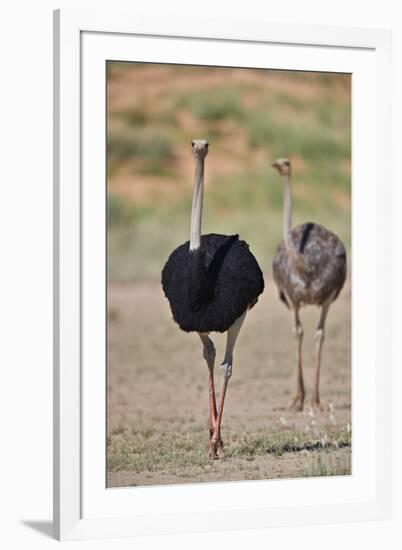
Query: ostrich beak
{"points": [[274, 164]]}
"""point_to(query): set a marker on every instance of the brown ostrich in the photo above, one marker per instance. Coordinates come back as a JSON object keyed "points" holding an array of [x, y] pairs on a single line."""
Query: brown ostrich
{"points": [[309, 268]]}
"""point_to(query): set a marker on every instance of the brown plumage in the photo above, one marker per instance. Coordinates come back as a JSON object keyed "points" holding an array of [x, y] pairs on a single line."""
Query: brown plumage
{"points": [[309, 268], [312, 269]]}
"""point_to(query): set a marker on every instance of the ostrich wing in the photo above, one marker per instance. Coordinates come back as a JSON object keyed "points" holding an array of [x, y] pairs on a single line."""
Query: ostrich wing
{"points": [[203, 271], [312, 268], [199, 291], [219, 258]]}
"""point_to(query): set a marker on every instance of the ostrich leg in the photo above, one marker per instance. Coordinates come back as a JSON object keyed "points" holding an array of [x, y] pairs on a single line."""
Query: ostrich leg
{"points": [[216, 445], [209, 356], [298, 401], [319, 337]]}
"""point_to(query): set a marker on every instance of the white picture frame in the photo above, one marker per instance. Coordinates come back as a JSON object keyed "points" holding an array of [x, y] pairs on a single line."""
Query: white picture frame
{"points": [[83, 506]]}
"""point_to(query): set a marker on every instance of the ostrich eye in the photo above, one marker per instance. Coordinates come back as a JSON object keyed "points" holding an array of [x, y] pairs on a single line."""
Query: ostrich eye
{"points": [[192, 144], [206, 145]]}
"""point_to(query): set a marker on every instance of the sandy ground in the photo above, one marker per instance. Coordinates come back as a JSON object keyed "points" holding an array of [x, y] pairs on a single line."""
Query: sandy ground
{"points": [[158, 395]]}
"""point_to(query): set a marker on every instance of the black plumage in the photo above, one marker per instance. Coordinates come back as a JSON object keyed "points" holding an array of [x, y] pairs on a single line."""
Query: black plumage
{"points": [[209, 288], [211, 281]]}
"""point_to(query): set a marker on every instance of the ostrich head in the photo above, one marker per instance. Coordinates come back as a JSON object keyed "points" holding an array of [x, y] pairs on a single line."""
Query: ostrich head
{"points": [[283, 166], [199, 148]]}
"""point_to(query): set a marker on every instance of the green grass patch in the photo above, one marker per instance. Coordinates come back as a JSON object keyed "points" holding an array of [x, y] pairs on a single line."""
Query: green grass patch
{"points": [[136, 116], [310, 140], [214, 105], [153, 148], [324, 463], [120, 212], [153, 451], [290, 442]]}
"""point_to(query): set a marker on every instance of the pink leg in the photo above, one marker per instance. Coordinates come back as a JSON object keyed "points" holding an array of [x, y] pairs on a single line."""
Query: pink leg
{"points": [[298, 401], [319, 336], [209, 356], [216, 445]]}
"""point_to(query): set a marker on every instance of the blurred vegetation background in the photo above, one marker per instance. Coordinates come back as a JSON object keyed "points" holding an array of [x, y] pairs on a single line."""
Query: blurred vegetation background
{"points": [[250, 117]]}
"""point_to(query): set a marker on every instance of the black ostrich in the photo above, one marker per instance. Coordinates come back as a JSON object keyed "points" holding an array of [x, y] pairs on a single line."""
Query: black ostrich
{"points": [[211, 282], [309, 268]]}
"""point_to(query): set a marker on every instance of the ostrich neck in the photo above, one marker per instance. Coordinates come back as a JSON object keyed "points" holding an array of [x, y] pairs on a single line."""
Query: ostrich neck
{"points": [[196, 211], [287, 208]]}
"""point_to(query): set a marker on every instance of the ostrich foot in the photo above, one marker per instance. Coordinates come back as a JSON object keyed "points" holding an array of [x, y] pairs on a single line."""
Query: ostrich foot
{"points": [[297, 403], [216, 449], [221, 452], [212, 454], [316, 405]]}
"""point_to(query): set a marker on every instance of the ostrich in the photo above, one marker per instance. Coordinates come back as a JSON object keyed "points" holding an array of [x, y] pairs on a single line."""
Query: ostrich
{"points": [[210, 282], [309, 268]]}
